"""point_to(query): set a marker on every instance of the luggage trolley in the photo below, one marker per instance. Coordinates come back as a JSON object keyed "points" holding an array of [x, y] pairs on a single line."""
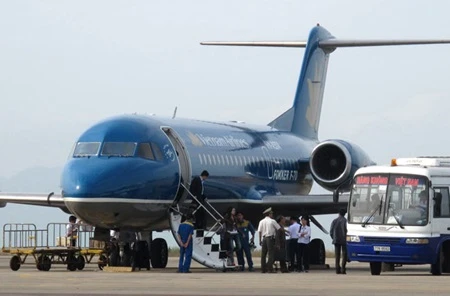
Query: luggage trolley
{"points": [[51, 246]]}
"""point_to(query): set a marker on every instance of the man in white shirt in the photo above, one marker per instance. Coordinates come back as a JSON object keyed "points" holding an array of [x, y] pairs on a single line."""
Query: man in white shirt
{"points": [[267, 229], [72, 231], [294, 229], [303, 241]]}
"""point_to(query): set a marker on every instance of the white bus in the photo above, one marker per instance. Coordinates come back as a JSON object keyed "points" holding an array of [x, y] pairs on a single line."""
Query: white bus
{"points": [[400, 214]]}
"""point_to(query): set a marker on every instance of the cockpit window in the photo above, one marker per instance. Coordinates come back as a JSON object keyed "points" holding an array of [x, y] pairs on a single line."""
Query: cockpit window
{"points": [[121, 149], [84, 149], [145, 151], [157, 151]]}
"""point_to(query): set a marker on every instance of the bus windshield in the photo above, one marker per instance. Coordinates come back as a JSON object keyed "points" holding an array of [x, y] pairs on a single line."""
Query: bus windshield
{"points": [[396, 199]]}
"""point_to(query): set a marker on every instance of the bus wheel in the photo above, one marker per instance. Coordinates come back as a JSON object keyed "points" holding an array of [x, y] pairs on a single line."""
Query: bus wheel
{"points": [[436, 268], [375, 268]]}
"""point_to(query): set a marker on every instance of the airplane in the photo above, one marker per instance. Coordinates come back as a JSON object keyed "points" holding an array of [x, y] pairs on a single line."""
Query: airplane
{"points": [[131, 173]]}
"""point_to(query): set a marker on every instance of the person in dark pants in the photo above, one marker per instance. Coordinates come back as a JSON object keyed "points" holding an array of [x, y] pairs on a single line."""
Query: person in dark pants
{"points": [[267, 229], [294, 229], [280, 244], [338, 232], [197, 190], [185, 233], [303, 243], [245, 227], [231, 237]]}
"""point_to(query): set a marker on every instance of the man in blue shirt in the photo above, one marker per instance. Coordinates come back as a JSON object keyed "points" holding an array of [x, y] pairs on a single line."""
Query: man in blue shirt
{"points": [[185, 234], [244, 228]]}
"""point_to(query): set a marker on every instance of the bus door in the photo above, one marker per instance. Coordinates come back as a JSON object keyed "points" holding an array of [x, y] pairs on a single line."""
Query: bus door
{"points": [[440, 210]]}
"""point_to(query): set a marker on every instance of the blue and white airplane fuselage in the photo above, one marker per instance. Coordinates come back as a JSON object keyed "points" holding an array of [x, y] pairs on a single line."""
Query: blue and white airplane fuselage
{"points": [[245, 164]]}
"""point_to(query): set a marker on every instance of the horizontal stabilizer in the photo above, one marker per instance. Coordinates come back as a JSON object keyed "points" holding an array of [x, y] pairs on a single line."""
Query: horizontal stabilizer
{"points": [[330, 43], [303, 118], [334, 43], [258, 43]]}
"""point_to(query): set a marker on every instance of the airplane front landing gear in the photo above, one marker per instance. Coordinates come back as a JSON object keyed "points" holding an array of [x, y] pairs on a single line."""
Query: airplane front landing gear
{"points": [[159, 253]]}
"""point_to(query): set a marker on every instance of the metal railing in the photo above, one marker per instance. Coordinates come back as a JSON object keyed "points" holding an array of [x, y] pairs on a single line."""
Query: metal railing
{"points": [[20, 235], [27, 236], [218, 218]]}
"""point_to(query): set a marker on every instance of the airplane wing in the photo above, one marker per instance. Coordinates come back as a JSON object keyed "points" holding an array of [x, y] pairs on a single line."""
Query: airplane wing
{"points": [[310, 204], [36, 199]]}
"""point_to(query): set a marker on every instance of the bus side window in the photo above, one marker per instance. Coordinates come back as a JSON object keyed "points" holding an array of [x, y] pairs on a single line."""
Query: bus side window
{"points": [[437, 204], [441, 206]]}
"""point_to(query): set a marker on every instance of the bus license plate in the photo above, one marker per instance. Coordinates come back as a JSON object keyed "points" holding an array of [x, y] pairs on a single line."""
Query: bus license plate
{"points": [[382, 248]]}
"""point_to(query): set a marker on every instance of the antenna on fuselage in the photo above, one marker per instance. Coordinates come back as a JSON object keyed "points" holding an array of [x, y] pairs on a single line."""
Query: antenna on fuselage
{"points": [[174, 113]]}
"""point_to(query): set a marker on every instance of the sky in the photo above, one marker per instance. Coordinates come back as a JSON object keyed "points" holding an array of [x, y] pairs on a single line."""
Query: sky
{"points": [[65, 65]]}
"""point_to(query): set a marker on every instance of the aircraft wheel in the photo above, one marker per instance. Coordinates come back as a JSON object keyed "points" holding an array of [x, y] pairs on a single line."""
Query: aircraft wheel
{"points": [[127, 254], [81, 263], [114, 256], [375, 268], [14, 263], [159, 253], [317, 254], [141, 255]]}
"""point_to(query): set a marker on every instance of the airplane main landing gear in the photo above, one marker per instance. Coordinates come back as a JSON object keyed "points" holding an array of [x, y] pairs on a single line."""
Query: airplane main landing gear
{"points": [[120, 254]]}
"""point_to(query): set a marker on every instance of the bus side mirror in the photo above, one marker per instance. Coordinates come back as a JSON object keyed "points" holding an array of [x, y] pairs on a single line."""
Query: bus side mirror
{"points": [[336, 196]]}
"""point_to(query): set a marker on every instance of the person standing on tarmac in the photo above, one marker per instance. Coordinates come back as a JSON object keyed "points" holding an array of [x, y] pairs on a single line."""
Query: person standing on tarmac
{"points": [[303, 244], [338, 232], [280, 244], [267, 229], [245, 227], [185, 233], [294, 229]]}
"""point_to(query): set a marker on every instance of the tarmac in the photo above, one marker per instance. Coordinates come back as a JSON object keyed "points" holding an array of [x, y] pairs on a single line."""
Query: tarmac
{"points": [[405, 280]]}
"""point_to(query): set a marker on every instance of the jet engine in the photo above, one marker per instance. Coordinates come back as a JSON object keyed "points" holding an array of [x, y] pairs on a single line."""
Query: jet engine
{"points": [[334, 162]]}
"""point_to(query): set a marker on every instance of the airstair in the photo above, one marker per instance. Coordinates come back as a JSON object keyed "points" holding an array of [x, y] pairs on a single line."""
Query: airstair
{"points": [[206, 242]]}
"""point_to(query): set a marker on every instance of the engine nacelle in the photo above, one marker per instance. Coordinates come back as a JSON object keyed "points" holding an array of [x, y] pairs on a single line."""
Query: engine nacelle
{"points": [[334, 162]]}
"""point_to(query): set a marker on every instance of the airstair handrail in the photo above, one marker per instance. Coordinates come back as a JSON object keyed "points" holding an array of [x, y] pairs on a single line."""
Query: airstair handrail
{"points": [[202, 205]]}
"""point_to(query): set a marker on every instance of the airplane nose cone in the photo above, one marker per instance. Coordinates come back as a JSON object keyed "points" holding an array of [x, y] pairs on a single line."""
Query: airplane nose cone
{"points": [[113, 192], [92, 177], [113, 178]]}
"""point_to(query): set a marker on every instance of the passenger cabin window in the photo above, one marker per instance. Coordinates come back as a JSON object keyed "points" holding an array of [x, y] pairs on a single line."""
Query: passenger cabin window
{"points": [[120, 149], [145, 151], [441, 206], [85, 149]]}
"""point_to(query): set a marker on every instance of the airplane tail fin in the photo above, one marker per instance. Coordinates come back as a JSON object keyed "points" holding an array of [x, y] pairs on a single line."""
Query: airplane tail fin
{"points": [[303, 117]]}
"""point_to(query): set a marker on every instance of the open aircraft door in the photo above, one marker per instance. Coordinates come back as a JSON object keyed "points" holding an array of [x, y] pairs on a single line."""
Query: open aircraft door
{"points": [[184, 163]]}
